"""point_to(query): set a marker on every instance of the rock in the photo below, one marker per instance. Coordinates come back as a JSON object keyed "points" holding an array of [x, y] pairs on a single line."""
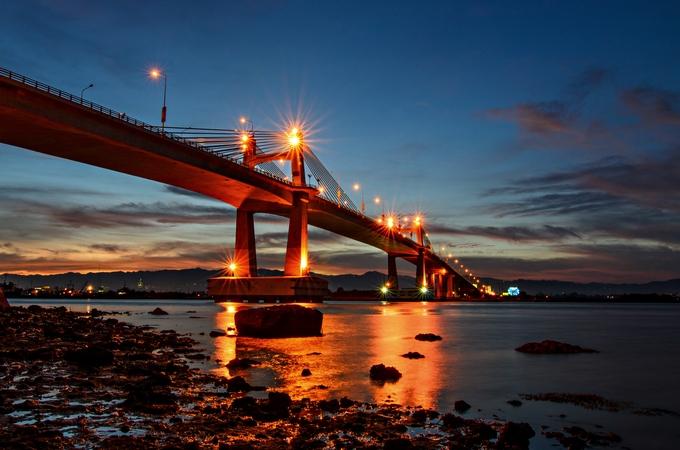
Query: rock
{"points": [[278, 404], [238, 384], [398, 444], [279, 321], [4, 304], [549, 347], [93, 356], [515, 435], [461, 406], [332, 405], [413, 355], [158, 312], [241, 363], [217, 333], [515, 403], [306, 372], [380, 372], [428, 337]]}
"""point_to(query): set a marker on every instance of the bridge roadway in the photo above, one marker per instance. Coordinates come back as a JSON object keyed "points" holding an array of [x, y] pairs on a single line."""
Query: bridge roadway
{"points": [[38, 117]]}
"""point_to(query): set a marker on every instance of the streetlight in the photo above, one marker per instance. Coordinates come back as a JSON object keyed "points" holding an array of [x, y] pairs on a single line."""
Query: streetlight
{"points": [[82, 91], [156, 74], [357, 187]]}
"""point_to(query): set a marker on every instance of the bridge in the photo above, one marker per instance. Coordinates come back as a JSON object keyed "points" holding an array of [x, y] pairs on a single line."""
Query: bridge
{"points": [[238, 167]]}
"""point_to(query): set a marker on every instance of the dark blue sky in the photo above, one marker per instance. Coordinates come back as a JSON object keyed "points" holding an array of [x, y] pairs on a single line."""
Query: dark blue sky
{"points": [[541, 139]]}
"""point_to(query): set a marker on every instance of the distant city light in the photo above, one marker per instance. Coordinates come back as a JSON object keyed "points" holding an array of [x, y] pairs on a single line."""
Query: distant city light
{"points": [[384, 290], [423, 289], [513, 291]]}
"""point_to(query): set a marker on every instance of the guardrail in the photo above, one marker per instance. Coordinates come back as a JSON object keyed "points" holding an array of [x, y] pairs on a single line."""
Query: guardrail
{"points": [[120, 116]]}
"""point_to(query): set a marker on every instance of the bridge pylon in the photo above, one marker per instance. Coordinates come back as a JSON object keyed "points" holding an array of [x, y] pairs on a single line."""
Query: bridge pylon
{"points": [[297, 263], [392, 276]]}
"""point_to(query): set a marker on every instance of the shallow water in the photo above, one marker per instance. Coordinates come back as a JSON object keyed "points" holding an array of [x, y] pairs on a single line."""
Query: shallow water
{"points": [[639, 360]]}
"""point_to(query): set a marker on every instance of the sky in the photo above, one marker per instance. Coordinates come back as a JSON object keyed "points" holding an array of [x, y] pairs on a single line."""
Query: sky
{"points": [[539, 139]]}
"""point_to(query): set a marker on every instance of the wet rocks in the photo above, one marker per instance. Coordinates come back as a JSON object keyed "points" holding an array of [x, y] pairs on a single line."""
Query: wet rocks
{"points": [[550, 347], [91, 357], [306, 372], [217, 333], [241, 363], [380, 372], [428, 337], [331, 406], [587, 401], [278, 404], [515, 403], [413, 355], [461, 406], [279, 321], [515, 435], [4, 304], [158, 312]]}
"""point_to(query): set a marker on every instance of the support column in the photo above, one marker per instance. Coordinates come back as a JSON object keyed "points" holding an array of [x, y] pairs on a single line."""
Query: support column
{"points": [[449, 286], [297, 263], [392, 277], [244, 249], [421, 272]]}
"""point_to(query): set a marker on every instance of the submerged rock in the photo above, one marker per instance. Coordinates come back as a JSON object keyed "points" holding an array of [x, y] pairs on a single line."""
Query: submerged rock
{"points": [[217, 333], [380, 372], [279, 321], [158, 312], [550, 347], [428, 337], [306, 372]]}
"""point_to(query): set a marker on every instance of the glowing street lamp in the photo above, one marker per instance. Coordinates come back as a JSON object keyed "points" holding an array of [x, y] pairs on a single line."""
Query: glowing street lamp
{"points": [[357, 187], [155, 74], [232, 269], [294, 138]]}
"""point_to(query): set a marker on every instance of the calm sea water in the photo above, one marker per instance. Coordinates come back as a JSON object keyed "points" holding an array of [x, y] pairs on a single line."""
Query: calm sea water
{"points": [[639, 360]]}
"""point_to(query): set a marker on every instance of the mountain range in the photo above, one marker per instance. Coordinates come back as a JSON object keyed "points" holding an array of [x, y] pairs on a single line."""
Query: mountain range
{"points": [[192, 280]]}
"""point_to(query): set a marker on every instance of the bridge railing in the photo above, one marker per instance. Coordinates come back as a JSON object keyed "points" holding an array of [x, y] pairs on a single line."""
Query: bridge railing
{"points": [[120, 116]]}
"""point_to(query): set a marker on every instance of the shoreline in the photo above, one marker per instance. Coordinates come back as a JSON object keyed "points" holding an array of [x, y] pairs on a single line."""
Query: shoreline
{"points": [[73, 379]]}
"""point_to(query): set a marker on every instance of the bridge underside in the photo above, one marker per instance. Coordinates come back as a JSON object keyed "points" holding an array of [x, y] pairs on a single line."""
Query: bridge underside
{"points": [[45, 123]]}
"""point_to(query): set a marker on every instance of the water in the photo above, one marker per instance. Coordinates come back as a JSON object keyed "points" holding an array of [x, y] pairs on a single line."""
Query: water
{"points": [[639, 360]]}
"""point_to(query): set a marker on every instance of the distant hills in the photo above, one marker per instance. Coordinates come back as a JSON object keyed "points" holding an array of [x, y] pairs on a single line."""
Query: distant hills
{"points": [[191, 280]]}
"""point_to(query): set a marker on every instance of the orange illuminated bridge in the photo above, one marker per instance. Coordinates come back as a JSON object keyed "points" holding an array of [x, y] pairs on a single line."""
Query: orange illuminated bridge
{"points": [[239, 167]]}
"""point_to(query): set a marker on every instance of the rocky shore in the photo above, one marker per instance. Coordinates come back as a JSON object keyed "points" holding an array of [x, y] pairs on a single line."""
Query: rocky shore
{"points": [[80, 380]]}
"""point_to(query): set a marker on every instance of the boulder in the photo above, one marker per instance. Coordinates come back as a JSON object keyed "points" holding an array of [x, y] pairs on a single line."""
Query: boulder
{"points": [[306, 372], [413, 355], [461, 406], [380, 372], [549, 347], [429, 337], [217, 333], [241, 363], [279, 321], [4, 304], [158, 312]]}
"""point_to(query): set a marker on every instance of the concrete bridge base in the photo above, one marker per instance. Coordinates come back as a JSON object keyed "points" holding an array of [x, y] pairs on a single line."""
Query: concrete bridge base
{"points": [[303, 289]]}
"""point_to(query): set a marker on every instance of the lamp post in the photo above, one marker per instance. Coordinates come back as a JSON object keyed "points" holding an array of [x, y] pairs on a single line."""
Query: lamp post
{"points": [[82, 91], [156, 74], [357, 187]]}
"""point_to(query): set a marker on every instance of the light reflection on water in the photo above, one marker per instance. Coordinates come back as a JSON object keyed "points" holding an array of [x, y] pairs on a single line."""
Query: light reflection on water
{"points": [[475, 360]]}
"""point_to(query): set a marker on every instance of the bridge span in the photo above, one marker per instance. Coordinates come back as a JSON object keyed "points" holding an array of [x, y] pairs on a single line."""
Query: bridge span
{"points": [[44, 119]]}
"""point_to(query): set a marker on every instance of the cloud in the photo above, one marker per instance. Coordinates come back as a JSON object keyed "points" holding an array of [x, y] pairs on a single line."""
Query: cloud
{"points": [[548, 233], [653, 105], [185, 193], [108, 248], [559, 123]]}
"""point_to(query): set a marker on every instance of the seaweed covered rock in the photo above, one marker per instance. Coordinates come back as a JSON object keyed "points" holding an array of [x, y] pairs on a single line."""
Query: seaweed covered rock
{"points": [[279, 321]]}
